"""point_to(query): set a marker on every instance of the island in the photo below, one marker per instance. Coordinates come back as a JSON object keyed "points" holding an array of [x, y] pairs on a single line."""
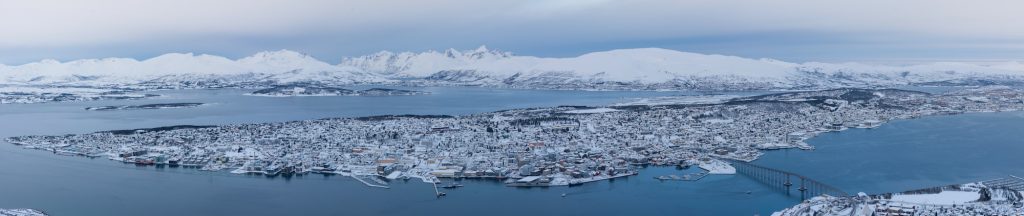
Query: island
{"points": [[45, 94], [531, 147], [317, 90], [389, 92], [21, 212], [144, 106]]}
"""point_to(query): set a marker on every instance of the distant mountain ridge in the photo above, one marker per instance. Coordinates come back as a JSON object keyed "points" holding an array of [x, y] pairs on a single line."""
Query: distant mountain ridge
{"points": [[642, 68], [185, 70], [655, 68]]}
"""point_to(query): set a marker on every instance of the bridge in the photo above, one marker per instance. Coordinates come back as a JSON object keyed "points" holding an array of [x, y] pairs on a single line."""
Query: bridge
{"points": [[788, 181]]}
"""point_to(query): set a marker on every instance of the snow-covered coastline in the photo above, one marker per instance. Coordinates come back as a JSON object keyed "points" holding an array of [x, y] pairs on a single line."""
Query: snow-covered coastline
{"points": [[1002, 196], [45, 94], [309, 90], [21, 212], [145, 106]]}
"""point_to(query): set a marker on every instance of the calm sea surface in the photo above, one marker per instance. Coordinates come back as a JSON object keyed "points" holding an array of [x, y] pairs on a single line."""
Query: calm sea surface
{"points": [[901, 155]]}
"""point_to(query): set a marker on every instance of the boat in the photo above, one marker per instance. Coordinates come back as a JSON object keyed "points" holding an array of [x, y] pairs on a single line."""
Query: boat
{"points": [[174, 162], [144, 161], [323, 169], [287, 171], [452, 186], [272, 170]]}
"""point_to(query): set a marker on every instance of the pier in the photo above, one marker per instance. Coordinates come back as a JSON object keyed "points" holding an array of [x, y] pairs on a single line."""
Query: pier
{"points": [[438, 193], [684, 177], [787, 181], [369, 184]]}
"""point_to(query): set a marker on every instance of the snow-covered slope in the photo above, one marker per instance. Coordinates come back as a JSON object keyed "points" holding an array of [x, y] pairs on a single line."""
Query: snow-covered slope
{"points": [[183, 69], [661, 68], [648, 66], [932, 73], [418, 65]]}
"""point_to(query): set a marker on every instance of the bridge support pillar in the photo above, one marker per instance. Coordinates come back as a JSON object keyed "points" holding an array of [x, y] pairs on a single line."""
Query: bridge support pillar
{"points": [[787, 184], [802, 189]]}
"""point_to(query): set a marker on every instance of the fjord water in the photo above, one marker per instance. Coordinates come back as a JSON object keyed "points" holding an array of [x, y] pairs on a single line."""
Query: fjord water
{"points": [[913, 153], [902, 155]]}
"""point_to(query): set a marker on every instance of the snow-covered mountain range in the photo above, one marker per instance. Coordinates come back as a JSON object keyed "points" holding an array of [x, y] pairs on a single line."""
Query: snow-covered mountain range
{"points": [[185, 70], [645, 68], [654, 68]]}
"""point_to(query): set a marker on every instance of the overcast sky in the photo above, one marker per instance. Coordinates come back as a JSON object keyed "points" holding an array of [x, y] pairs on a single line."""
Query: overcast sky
{"points": [[792, 30]]}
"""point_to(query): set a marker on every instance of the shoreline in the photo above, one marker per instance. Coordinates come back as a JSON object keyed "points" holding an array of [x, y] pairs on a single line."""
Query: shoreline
{"points": [[142, 90]]}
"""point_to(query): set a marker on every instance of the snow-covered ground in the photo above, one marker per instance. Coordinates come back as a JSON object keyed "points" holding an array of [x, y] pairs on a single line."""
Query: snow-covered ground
{"points": [[941, 198], [965, 199], [51, 90], [717, 167]]}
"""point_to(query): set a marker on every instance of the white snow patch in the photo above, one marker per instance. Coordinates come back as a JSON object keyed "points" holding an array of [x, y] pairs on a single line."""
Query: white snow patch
{"points": [[941, 198], [718, 167]]}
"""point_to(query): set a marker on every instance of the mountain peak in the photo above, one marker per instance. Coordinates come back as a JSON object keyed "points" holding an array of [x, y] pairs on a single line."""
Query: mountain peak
{"points": [[49, 61], [481, 49], [280, 57], [280, 54], [172, 56], [452, 53], [483, 52]]}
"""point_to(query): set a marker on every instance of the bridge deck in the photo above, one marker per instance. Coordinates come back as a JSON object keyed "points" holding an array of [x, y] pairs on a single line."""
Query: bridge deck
{"points": [[786, 180]]}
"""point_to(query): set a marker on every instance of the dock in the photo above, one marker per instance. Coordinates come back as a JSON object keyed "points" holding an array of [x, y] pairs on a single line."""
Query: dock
{"points": [[438, 193], [368, 183], [685, 177]]}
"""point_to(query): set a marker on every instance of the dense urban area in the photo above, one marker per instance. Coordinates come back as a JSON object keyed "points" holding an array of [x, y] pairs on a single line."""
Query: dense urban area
{"points": [[525, 147]]}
